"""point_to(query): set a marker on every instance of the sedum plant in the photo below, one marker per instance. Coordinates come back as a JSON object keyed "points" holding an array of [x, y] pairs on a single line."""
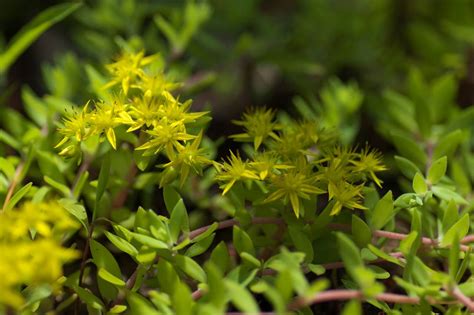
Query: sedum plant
{"points": [[125, 206], [286, 210]]}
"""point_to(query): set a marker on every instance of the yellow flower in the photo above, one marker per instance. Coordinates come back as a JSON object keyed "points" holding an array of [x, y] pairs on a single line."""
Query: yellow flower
{"points": [[173, 110], [258, 124], [127, 68], [28, 260], [166, 136], [76, 127], [267, 163], [190, 157], [106, 117], [345, 195], [234, 170], [294, 184], [155, 85], [369, 161]]}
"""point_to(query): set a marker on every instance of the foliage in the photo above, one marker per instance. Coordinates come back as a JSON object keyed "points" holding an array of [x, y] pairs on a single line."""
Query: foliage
{"points": [[132, 206]]}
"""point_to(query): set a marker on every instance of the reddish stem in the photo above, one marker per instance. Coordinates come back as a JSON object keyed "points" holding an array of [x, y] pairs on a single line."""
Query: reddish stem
{"points": [[231, 222], [342, 295], [341, 227], [465, 300], [196, 295], [468, 239], [13, 184]]}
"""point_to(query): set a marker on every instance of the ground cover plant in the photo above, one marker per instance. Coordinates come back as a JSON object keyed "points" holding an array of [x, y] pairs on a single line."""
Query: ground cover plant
{"points": [[120, 194]]}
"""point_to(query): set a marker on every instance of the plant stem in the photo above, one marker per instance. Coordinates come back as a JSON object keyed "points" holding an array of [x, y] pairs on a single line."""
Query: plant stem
{"points": [[328, 266], [14, 183], [341, 227], [85, 253], [231, 222], [466, 301], [82, 169], [342, 295], [122, 195]]}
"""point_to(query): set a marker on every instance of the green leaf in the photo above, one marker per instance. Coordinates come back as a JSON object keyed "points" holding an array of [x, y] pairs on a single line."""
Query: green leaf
{"points": [[171, 197], [31, 31], [317, 286], [200, 247], [179, 221], [140, 305], [150, 241], [423, 117], [250, 259], [121, 244], [360, 232], [7, 167], [467, 288], [36, 293], [90, 299], [382, 212], [383, 255], [410, 149], [241, 298], [117, 309], [103, 177], [77, 190], [447, 144], [464, 265], [142, 220], [104, 259], [352, 308], [317, 269], [182, 244], [76, 210], [107, 276], [242, 241], [379, 272], [208, 232], [40, 194], [34, 106], [123, 232], [183, 302], [18, 196], [141, 161], [437, 170], [301, 242], [407, 167], [450, 215], [51, 165], [217, 294], [168, 277], [443, 92], [419, 184], [349, 253], [220, 256], [460, 228], [190, 267], [168, 30], [447, 194], [9, 140], [454, 252], [460, 177], [63, 189], [406, 244]]}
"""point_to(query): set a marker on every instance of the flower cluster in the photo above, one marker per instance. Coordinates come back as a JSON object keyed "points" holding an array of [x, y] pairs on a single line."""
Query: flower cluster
{"points": [[295, 160], [143, 104], [30, 243]]}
